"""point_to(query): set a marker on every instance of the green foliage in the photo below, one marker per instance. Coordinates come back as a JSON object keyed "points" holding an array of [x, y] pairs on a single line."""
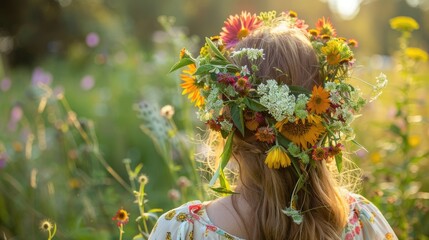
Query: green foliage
{"points": [[62, 150]]}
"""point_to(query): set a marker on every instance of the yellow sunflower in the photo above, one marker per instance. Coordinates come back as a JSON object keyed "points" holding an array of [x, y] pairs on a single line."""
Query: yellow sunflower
{"points": [[319, 101], [190, 86], [276, 157], [302, 132]]}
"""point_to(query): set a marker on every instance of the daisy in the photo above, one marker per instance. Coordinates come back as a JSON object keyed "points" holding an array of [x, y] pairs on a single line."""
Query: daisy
{"points": [[303, 133], [190, 86], [319, 101], [277, 156], [325, 27], [238, 27]]}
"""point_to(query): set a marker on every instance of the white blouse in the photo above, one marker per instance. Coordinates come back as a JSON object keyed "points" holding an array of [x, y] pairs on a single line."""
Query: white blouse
{"points": [[191, 222]]}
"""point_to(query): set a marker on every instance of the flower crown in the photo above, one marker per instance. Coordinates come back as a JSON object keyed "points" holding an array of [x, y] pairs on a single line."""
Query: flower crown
{"points": [[301, 127]]}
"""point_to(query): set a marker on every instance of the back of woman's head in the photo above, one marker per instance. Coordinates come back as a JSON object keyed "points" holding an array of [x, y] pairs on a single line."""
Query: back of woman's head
{"points": [[289, 56], [290, 59], [278, 95]]}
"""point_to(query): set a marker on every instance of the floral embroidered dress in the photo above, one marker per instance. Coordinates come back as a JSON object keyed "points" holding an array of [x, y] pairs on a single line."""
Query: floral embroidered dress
{"points": [[190, 221]]}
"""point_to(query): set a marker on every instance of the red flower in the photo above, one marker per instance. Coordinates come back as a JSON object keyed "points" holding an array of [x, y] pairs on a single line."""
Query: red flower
{"points": [[122, 217]]}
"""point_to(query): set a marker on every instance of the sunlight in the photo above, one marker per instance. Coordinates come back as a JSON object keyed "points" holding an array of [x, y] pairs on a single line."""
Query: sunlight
{"points": [[346, 9]]}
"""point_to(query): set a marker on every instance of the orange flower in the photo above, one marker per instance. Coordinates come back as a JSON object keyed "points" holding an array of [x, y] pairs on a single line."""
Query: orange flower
{"points": [[190, 86], [265, 134], [324, 26], [122, 217], [238, 27], [319, 101]]}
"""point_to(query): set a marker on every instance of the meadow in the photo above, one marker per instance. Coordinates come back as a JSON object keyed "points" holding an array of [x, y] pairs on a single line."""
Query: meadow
{"points": [[104, 131]]}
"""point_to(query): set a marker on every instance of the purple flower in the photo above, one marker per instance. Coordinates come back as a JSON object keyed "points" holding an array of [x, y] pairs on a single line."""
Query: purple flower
{"points": [[92, 39], [15, 116], [5, 84], [41, 77], [3, 159], [87, 82]]}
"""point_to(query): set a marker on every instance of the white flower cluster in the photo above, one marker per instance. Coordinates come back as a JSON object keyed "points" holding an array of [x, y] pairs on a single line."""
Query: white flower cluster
{"points": [[213, 105], [278, 100], [251, 53]]}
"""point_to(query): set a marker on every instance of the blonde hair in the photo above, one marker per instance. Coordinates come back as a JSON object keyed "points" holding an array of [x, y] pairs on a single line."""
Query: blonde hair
{"points": [[289, 58]]}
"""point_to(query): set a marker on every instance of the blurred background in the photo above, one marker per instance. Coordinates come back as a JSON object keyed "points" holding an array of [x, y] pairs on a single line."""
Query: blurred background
{"points": [[82, 84]]}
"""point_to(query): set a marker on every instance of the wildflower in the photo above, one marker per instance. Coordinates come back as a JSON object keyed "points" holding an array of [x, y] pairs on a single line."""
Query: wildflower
{"points": [[225, 78], [293, 14], [319, 153], [190, 86], [265, 134], [251, 53], [46, 226], [183, 53], [353, 42], [143, 179], [226, 126], [3, 159], [238, 27], [87, 82], [405, 24], [242, 85], [173, 194], [183, 182], [122, 217], [39, 76], [325, 27], [416, 54], [319, 101], [414, 140], [267, 17], [167, 111], [313, 32], [336, 52], [334, 150], [276, 157], [5, 84], [277, 99], [204, 51], [303, 133], [92, 39], [74, 183], [375, 157]]}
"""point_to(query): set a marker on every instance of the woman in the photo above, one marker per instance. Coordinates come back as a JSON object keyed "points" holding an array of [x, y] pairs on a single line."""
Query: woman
{"points": [[277, 93]]}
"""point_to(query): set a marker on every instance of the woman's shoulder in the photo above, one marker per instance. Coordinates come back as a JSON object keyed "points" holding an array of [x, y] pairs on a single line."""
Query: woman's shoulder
{"points": [[365, 221], [189, 221]]}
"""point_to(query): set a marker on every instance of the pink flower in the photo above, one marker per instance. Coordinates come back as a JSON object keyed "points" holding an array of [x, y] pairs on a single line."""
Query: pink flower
{"points": [[5, 84], [41, 77], [92, 39], [238, 27], [87, 82]]}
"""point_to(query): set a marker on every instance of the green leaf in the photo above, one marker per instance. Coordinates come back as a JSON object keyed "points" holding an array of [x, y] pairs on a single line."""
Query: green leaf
{"points": [[296, 90], [254, 105], [222, 190], [237, 117], [183, 62], [283, 141], [138, 237], [153, 210], [204, 69], [215, 50], [225, 156], [339, 161]]}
